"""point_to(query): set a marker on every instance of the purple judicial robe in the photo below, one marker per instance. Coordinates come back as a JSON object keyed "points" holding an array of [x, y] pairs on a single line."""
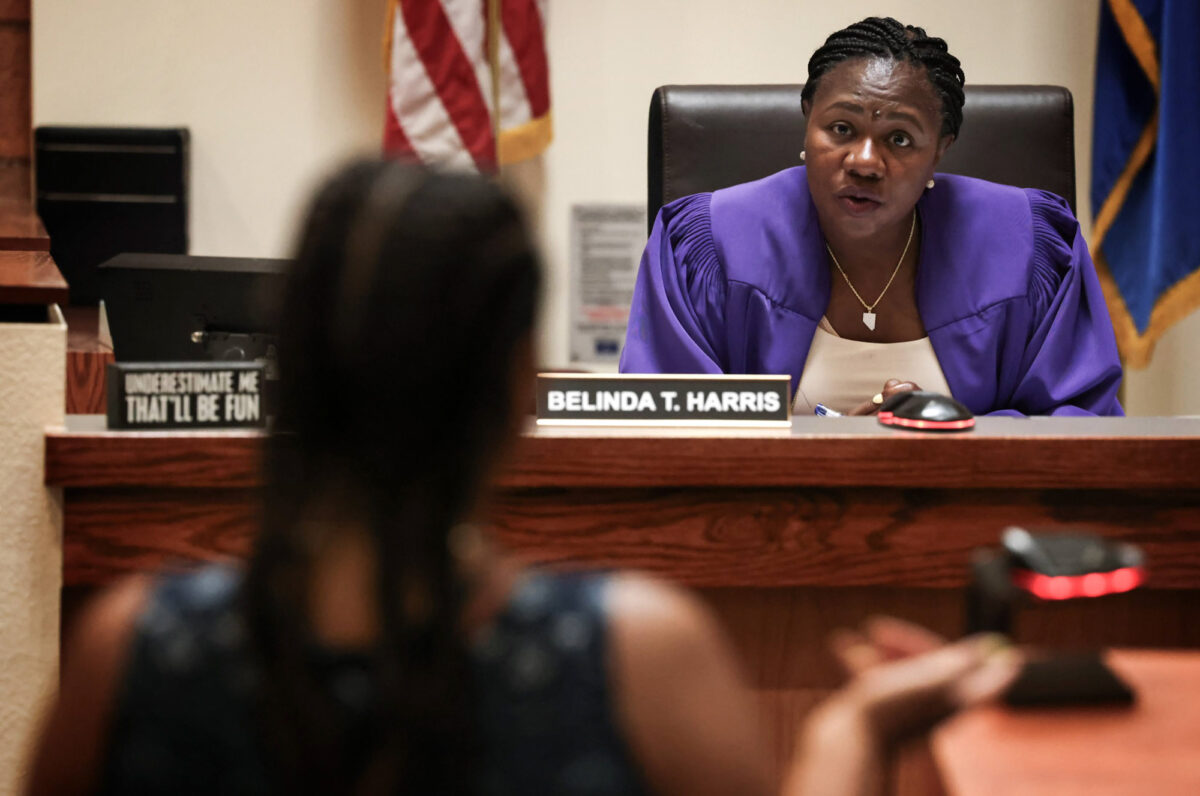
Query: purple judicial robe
{"points": [[736, 281]]}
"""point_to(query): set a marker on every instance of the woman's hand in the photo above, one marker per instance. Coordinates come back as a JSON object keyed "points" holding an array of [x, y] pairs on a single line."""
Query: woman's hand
{"points": [[905, 681], [881, 640], [890, 388]]}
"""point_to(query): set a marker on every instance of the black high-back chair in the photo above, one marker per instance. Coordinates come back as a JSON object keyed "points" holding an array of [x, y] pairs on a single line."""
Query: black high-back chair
{"points": [[708, 137]]}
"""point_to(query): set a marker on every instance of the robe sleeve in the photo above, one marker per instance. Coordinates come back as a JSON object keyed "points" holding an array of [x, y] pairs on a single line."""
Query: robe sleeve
{"points": [[676, 318], [1068, 363]]}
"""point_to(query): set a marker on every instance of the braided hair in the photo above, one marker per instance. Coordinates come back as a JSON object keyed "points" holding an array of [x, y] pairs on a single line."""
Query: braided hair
{"points": [[884, 37], [406, 283]]}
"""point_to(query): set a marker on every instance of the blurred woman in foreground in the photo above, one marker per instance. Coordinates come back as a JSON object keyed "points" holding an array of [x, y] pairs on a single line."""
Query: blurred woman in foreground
{"points": [[377, 642]]}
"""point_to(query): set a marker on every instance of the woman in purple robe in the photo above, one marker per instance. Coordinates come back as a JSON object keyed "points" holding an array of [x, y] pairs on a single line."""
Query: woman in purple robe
{"points": [[864, 272]]}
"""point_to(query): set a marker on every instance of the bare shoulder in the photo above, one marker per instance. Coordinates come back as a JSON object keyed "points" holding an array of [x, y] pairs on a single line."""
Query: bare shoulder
{"points": [[680, 694], [666, 614], [108, 619], [68, 758]]}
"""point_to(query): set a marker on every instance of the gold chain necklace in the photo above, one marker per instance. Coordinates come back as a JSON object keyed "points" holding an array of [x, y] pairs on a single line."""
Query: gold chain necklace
{"points": [[869, 315]]}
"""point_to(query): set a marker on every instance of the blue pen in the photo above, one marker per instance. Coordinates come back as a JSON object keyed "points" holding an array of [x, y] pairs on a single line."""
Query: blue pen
{"points": [[824, 411]]}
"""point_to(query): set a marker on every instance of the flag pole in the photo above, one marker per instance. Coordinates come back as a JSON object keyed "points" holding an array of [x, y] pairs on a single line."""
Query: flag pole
{"points": [[493, 33]]}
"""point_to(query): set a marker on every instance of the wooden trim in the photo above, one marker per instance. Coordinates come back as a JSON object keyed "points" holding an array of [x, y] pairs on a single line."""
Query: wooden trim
{"points": [[86, 373], [15, 11], [1157, 459], [87, 358], [744, 538], [831, 537], [21, 229], [153, 459], [31, 278], [111, 533], [16, 182], [16, 120], [901, 460]]}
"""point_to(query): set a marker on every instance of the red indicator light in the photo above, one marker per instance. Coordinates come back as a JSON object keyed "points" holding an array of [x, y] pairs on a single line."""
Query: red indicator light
{"points": [[1093, 585], [1120, 580], [1064, 587], [1059, 588], [890, 419]]}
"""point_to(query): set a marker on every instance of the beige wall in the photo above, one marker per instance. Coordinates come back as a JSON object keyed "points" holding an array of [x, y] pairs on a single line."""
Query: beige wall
{"points": [[275, 92]]}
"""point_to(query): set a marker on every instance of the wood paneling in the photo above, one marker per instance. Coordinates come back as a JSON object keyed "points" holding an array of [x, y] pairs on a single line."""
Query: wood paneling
{"points": [[87, 358], [153, 460], [20, 228], [14, 11], [782, 632], [782, 711], [717, 538], [758, 537], [900, 459], [16, 184], [15, 115], [86, 381], [111, 533], [30, 277], [725, 535], [1006, 454]]}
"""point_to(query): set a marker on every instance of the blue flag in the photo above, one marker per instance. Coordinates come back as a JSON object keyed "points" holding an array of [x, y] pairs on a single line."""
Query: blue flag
{"points": [[1146, 167]]}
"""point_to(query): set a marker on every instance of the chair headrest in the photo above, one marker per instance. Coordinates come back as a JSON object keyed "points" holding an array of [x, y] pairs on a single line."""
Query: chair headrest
{"points": [[707, 137]]}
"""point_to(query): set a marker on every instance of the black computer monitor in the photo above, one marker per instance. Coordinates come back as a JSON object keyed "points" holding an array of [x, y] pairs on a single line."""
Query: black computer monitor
{"points": [[180, 308]]}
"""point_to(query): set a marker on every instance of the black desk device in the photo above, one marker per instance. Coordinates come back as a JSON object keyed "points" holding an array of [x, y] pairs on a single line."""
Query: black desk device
{"points": [[1031, 567], [921, 410]]}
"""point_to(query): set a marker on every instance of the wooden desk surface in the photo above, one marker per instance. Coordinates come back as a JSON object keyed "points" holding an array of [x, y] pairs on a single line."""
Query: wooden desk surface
{"points": [[1152, 748], [1037, 453], [31, 277]]}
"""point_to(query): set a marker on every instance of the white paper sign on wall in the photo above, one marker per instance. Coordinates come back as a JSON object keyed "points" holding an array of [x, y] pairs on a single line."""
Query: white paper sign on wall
{"points": [[606, 246]]}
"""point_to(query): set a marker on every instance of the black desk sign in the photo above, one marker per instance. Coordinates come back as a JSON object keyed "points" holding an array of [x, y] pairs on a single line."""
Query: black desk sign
{"points": [[191, 395], [576, 399]]}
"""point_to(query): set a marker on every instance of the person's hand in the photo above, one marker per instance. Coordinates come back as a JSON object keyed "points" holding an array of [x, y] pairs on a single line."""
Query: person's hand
{"points": [[905, 681], [881, 640], [890, 388], [888, 656], [907, 696]]}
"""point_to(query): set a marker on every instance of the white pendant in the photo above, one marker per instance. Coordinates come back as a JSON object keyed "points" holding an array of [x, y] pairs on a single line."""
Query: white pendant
{"points": [[869, 320]]}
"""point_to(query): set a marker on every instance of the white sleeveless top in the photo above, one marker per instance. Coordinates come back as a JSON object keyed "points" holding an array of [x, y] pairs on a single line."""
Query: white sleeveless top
{"points": [[843, 373]]}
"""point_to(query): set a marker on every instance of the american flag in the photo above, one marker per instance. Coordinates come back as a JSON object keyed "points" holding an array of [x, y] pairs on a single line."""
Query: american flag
{"points": [[469, 82]]}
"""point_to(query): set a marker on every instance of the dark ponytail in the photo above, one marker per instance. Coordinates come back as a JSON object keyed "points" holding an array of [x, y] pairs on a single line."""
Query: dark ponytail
{"points": [[410, 295]]}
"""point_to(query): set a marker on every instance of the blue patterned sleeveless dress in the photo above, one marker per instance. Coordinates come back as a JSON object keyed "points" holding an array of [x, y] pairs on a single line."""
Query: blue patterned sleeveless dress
{"points": [[185, 718]]}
